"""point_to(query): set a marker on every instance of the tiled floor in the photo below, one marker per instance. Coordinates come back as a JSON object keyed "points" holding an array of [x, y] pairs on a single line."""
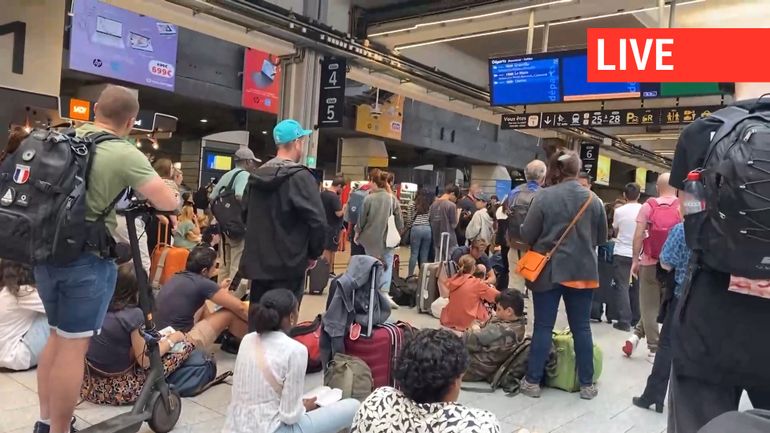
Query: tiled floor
{"points": [[556, 411]]}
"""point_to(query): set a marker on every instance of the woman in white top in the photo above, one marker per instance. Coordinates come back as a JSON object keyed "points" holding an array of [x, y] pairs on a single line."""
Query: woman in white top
{"points": [[269, 378], [23, 325], [482, 225]]}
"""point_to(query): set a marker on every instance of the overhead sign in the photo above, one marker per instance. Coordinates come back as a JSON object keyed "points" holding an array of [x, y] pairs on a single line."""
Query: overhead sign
{"points": [[261, 81], [589, 155], [331, 104], [29, 60], [607, 118], [113, 42], [386, 120], [641, 178], [603, 164]]}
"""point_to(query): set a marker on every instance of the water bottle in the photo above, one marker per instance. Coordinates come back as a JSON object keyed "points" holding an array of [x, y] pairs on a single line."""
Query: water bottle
{"points": [[694, 199]]}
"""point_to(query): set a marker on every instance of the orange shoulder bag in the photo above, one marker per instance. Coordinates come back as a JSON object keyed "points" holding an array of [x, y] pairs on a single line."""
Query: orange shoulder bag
{"points": [[532, 263]]}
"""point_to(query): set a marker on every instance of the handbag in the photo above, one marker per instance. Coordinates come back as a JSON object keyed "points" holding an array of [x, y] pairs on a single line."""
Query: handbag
{"points": [[392, 237], [532, 263]]}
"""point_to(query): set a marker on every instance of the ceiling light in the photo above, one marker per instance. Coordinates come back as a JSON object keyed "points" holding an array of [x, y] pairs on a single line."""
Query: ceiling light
{"points": [[615, 14], [264, 132], [459, 38], [393, 157], [471, 17], [204, 120]]}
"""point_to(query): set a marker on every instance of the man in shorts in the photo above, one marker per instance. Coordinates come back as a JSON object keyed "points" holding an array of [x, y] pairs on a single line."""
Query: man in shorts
{"points": [[76, 295], [330, 198]]}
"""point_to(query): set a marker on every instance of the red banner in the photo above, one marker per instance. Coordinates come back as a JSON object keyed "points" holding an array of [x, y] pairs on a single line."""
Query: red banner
{"points": [[261, 81], [678, 55]]}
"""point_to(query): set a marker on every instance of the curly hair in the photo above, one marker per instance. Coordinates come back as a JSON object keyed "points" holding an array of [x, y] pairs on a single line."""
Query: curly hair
{"points": [[429, 364]]}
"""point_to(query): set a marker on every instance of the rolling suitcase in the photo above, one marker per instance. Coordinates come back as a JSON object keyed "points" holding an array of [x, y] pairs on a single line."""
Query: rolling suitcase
{"points": [[166, 260], [379, 351], [427, 290], [318, 277]]}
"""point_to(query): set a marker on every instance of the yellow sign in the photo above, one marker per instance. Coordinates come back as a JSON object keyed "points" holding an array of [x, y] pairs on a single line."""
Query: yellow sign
{"points": [[386, 121], [603, 170], [641, 178]]}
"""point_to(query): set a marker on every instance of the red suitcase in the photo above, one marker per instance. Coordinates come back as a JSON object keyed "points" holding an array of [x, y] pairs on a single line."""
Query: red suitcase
{"points": [[379, 351]]}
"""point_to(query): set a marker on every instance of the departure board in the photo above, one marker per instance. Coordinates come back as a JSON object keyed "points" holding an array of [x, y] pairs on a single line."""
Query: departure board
{"points": [[576, 87], [524, 80]]}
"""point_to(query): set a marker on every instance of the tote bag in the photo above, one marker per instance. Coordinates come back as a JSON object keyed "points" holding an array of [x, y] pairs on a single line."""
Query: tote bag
{"points": [[392, 237]]}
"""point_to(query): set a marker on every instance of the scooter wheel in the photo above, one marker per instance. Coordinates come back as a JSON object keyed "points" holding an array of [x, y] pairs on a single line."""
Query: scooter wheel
{"points": [[163, 421]]}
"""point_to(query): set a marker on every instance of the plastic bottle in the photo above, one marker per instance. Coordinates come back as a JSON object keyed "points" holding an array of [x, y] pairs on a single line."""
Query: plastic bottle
{"points": [[694, 194]]}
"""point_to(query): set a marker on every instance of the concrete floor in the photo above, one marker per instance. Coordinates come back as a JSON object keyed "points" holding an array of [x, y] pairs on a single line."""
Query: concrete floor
{"points": [[555, 411]]}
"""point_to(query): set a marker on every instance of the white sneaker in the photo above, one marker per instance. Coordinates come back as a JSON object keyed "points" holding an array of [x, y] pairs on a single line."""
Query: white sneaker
{"points": [[651, 357], [630, 345]]}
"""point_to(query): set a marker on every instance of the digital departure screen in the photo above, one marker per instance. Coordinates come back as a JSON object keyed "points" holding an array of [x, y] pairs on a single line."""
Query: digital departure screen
{"points": [[216, 161], [575, 85], [524, 80]]}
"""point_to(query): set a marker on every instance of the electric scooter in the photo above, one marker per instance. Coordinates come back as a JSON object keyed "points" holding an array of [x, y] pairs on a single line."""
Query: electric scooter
{"points": [[158, 404]]}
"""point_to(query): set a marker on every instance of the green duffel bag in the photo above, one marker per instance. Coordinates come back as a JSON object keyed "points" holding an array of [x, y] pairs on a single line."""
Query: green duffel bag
{"points": [[351, 375], [563, 375]]}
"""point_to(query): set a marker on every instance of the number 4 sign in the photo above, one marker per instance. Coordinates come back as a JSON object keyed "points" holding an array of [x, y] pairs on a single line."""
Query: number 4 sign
{"points": [[331, 105]]}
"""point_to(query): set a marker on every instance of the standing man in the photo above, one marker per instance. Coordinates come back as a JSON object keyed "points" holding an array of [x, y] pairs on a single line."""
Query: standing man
{"points": [[76, 295], [353, 210], [443, 218], [231, 248], [624, 225], [467, 207], [534, 174], [285, 222], [330, 198], [656, 218]]}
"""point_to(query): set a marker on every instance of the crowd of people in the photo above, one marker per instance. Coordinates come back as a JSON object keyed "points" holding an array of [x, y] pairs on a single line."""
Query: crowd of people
{"points": [[81, 323]]}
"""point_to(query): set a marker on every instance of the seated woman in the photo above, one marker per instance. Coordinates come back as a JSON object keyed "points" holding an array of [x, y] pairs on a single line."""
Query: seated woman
{"points": [[116, 363], [269, 378], [181, 303], [187, 233], [429, 371], [466, 296], [23, 325]]}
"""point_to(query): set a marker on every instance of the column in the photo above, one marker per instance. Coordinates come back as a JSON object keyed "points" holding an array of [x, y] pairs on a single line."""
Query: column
{"points": [[299, 97], [493, 179]]}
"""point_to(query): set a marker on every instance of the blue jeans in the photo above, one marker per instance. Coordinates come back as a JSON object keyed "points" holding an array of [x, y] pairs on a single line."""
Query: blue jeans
{"points": [[329, 419], [387, 273], [420, 243], [76, 295], [35, 338], [546, 305]]}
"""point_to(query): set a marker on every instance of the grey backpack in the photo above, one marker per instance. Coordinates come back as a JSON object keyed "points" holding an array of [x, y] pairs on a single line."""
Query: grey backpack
{"points": [[351, 375]]}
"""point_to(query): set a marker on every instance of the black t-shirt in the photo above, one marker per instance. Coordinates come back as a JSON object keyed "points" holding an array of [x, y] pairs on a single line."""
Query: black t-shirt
{"points": [[111, 350], [179, 299], [482, 260], [332, 204], [716, 336]]}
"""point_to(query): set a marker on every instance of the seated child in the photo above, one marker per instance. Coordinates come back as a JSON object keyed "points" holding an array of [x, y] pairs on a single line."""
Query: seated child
{"points": [[492, 343], [466, 296], [117, 361], [23, 324]]}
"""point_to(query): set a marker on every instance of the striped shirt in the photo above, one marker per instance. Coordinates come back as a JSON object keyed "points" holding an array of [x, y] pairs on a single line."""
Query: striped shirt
{"points": [[421, 220]]}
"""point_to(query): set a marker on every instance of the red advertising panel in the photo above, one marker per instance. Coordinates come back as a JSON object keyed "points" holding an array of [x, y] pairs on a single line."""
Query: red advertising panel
{"points": [[261, 81], [677, 55]]}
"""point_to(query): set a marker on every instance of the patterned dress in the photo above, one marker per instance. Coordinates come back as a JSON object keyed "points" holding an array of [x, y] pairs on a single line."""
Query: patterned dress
{"points": [[387, 410]]}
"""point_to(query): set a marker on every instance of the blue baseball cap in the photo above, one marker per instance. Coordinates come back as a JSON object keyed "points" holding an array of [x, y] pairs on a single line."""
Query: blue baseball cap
{"points": [[289, 130]]}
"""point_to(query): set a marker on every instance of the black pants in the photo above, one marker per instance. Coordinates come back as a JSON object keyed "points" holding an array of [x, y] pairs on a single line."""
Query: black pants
{"points": [[621, 273], [260, 287], [693, 403], [657, 382]]}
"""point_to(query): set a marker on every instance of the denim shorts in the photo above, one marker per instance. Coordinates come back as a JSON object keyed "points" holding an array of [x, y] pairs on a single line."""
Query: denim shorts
{"points": [[76, 295]]}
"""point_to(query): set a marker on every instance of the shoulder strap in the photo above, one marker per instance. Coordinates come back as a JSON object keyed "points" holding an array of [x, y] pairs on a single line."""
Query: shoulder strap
{"points": [[264, 367], [232, 181], [730, 116], [572, 224]]}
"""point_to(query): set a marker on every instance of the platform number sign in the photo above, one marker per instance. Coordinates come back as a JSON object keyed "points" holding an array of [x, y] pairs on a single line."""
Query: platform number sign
{"points": [[331, 106], [18, 31], [589, 154]]}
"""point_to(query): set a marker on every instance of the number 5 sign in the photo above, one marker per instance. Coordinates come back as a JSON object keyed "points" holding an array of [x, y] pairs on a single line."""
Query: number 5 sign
{"points": [[331, 106]]}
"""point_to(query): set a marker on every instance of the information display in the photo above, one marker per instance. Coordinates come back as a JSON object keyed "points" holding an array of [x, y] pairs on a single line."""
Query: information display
{"points": [[524, 80], [576, 87], [607, 118]]}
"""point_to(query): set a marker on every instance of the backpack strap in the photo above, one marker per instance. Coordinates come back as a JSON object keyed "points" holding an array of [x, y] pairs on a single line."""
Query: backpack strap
{"points": [[232, 181]]}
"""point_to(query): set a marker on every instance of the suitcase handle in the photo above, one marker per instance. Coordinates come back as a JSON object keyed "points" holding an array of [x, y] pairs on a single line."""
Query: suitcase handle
{"points": [[443, 247], [162, 240]]}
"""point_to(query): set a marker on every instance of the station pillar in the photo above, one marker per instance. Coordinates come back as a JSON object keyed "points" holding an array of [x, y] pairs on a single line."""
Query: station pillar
{"points": [[493, 179], [299, 97]]}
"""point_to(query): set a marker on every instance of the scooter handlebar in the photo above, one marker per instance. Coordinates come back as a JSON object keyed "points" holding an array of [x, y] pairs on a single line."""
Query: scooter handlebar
{"points": [[142, 207]]}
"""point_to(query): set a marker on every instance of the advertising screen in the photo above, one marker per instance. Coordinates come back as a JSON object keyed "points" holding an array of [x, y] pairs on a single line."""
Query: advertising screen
{"points": [[261, 81], [524, 80], [575, 85], [112, 42], [215, 161]]}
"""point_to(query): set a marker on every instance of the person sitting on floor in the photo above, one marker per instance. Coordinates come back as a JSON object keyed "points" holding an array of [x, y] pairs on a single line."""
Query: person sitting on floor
{"points": [[466, 294], [491, 344], [23, 325], [429, 371], [477, 250], [187, 233], [181, 303], [269, 378], [117, 361]]}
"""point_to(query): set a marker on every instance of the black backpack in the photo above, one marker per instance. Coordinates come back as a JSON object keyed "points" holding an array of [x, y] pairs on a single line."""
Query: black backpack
{"points": [[733, 234], [517, 211], [43, 199], [228, 210]]}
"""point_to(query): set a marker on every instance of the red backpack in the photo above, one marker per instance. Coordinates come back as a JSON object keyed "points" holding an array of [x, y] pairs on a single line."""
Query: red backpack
{"points": [[309, 334], [663, 217]]}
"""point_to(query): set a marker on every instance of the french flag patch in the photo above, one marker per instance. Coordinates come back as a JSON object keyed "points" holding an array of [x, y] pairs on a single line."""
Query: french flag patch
{"points": [[21, 174]]}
